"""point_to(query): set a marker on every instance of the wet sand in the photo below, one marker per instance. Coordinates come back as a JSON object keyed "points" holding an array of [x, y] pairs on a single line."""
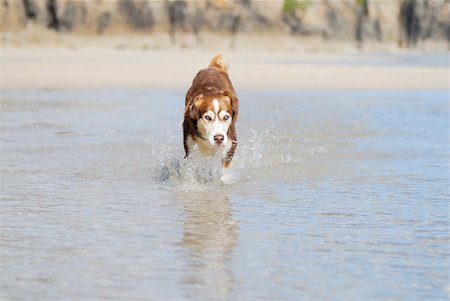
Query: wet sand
{"points": [[104, 67]]}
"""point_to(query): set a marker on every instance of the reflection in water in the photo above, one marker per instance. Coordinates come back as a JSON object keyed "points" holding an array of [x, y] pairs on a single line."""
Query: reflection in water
{"points": [[209, 237]]}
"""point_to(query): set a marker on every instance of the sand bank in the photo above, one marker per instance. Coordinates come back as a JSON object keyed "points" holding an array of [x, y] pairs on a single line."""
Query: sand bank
{"points": [[103, 67]]}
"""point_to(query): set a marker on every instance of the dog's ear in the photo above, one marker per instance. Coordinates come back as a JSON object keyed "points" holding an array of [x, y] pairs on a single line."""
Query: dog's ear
{"points": [[234, 102], [194, 112]]}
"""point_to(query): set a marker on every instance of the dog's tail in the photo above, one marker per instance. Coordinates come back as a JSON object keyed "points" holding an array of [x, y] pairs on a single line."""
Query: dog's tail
{"points": [[219, 62]]}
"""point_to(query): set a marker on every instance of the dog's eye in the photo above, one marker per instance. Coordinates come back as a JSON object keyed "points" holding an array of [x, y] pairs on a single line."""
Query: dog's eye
{"points": [[226, 117], [208, 118]]}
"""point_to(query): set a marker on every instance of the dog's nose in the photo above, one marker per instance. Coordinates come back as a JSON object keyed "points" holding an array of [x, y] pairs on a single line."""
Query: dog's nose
{"points": [[218, 139]]}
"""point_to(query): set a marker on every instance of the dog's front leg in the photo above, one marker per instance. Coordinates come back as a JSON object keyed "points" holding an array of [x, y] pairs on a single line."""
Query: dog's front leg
{"points": [[187, 139], [188, 144], [230, 153]]}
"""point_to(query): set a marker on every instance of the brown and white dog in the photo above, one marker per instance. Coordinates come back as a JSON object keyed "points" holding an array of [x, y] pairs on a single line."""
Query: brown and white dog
{"points": [[210, 114]]}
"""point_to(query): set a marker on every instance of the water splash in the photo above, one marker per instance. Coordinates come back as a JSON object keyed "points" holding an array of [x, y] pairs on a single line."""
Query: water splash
{"points": [[256, 150], [196, 169]]}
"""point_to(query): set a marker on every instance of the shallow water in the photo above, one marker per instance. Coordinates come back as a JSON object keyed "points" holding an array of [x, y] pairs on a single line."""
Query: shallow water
{"points": [[336, 195]]}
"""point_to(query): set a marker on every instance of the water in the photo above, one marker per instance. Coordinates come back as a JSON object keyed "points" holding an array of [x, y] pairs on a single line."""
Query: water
{"points": [[336, 195]]}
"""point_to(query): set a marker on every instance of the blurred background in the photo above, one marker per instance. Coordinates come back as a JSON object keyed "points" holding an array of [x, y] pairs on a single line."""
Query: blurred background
{"points": [[309, 24]]}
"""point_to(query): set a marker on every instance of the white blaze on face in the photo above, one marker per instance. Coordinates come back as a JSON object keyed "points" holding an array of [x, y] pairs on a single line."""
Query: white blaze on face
{"points": [[217, 125], [216, 106]]}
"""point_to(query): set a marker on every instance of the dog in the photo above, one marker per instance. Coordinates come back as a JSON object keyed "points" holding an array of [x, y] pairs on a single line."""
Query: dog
{"points": [[211, 111]]}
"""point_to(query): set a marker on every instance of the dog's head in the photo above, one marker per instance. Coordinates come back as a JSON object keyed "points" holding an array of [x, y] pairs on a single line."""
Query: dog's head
{"points": [[213, 114]]}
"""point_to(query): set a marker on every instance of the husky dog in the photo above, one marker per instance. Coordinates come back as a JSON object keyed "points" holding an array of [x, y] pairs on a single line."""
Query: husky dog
{"points": [[210, 114]]}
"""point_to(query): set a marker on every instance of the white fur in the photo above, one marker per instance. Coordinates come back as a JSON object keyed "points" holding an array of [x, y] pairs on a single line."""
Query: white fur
{"points": [[217, 126], [216, 105]]}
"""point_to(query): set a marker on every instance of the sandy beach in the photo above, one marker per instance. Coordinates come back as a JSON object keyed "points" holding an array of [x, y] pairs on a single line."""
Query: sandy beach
{"points": [[97, 66]]}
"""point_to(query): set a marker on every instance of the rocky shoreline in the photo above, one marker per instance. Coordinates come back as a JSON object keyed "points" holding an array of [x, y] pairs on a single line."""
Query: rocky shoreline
{"points": [[405, 23]]}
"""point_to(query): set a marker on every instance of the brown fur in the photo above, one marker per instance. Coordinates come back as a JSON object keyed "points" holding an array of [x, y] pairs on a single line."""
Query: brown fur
{"points": [[212, 82]]}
